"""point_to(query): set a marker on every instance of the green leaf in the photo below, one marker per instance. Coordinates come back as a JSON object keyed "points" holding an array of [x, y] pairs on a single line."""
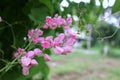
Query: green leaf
{"points": [[38, 15], [116, 6], [48, 4]]}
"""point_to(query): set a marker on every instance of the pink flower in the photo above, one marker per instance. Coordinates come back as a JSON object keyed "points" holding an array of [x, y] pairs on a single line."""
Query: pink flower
{"points": [[69, 20], [25, 70], [19, 51], [37, 51], [62, 21], [25, 61], [61, 37], [41, 39], [38, 32], [67, 49], [48, 20], [70, 41], [47, 57], [30, 32], [66, 27], [35, 40], [71, 34], [45, 26], [45, 44], [27, 64], [55, 43], [53, 26], [58, 50], [34, 34], [16, 54], [34, 62], [30, 54], [49, 38]]}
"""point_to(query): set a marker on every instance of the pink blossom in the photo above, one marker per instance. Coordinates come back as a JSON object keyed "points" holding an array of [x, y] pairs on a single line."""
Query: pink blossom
{"points": [[55, 43], [61, 37], [16, 54], [53, 26], [62, 21], [69, 20], [71, 34], [67, 49], [25, 70], [45, 26], [34, 62], [70, 41], [19, 51], [25, 61], [37, 51], [41, 39], [48, 20], [34, 34], [47, 57], [35, 40], [58, 50], [45, 44], [66, 27], [38, 32], [49, 38], [30, 32], [30, 54]]}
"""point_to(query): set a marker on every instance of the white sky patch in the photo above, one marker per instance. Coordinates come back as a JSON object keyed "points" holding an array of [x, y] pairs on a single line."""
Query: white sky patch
{"points": [[108, 3], [111, 2], [97, 2], [68, 15], [78, 1], [64, 3], [75, 18], [105, 3], [61, 8]]}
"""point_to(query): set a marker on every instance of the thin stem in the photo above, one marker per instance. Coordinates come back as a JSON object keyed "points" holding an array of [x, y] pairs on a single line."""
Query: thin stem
{"points": [[109, 36], [13, 34], [4, 60]]}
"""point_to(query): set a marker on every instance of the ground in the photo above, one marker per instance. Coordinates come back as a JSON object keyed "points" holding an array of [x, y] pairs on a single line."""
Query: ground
{"points": [[85, 65]]}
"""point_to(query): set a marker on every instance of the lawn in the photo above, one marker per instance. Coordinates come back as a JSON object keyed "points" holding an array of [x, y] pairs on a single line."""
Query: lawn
{"points": [[85, 65]]}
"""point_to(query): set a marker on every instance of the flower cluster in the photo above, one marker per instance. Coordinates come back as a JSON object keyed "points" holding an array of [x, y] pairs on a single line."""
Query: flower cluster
{"points": [[57, 21], [27, 60], [34, 35], [62, 44]]}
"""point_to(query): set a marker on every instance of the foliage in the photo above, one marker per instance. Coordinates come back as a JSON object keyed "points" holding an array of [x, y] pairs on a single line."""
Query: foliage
{"points": [[108, 33], [116, 6]]}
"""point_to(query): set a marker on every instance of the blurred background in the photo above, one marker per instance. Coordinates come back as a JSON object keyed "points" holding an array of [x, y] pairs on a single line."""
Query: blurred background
{"points": [[96, 54]]}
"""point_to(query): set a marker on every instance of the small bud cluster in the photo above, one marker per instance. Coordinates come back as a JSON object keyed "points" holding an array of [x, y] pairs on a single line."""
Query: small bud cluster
{"points": [[57, 21]]}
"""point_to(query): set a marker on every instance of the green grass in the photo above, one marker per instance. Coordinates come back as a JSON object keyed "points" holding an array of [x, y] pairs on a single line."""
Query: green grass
{"points": [[86, 65]]}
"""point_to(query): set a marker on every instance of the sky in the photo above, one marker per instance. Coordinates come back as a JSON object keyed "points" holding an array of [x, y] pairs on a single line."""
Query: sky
{"points": [[106, 3]]}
